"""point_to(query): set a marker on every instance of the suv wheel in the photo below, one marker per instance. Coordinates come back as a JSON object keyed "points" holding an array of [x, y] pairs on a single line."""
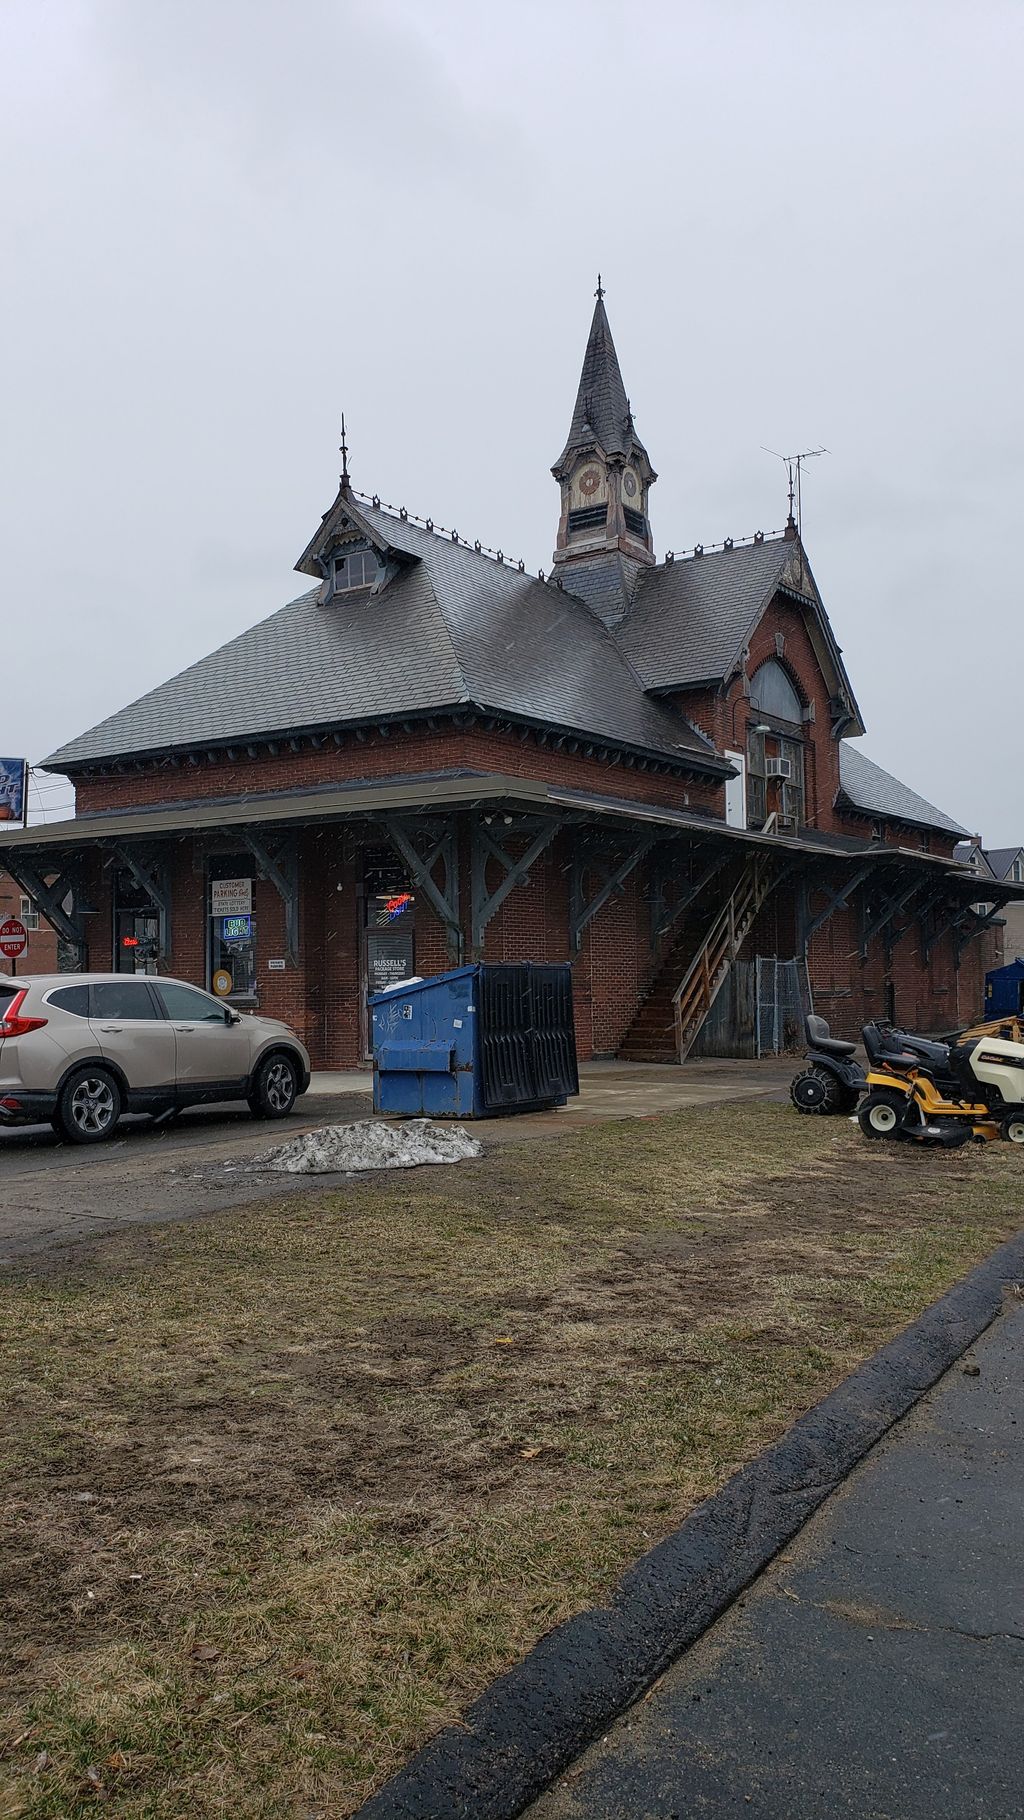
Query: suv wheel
{"points": [[89, 1106], [275, 1088]]}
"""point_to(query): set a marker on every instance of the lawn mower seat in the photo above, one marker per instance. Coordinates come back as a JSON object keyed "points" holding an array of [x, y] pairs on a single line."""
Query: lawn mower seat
{"points": [[934, 1056], [819, 1036], [885, 1050]]}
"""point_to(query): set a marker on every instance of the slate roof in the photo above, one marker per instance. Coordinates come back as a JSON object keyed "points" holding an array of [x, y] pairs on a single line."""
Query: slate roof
{"points": [[605, 581], [1001, 859], [966, 852], [601, 413], [691, 618], [451, 628], [865, 786]]}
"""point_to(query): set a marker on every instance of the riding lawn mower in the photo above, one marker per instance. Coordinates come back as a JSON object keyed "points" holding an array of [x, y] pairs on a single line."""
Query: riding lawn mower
{"points": [[947, 1093]]}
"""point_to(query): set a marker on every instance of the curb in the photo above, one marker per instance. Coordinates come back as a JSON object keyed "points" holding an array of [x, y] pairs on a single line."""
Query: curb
{"points": [[535, 1719]]}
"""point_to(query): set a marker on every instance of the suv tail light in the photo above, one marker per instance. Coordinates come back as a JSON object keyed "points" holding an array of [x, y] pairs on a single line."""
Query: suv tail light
{"points": [[11, 1024]]}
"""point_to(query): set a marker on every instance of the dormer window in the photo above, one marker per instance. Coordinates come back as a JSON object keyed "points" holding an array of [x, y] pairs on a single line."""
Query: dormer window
{"points": [[356, 566]]}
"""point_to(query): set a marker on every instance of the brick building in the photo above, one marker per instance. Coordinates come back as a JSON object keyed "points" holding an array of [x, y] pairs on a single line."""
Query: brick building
{"points": [[646, 767], [41, 954]]}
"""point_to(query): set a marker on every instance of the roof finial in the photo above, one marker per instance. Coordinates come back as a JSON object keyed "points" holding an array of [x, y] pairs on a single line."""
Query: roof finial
{"points": [[599, 293], [344, 457]]}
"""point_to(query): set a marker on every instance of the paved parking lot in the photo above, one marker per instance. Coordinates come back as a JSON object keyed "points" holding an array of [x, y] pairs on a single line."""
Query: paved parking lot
{"points": [[53, 1194]]}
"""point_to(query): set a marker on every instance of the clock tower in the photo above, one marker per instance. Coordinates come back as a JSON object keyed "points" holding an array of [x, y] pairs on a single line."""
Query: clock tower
{"points": [[605, 475]]}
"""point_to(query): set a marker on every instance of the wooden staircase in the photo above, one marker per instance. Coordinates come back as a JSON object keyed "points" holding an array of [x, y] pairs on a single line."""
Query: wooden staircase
{"points": [[670, 1018]]}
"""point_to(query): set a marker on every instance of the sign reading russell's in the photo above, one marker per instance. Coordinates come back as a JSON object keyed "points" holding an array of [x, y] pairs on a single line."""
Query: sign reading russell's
{"points": [[13, 789]]}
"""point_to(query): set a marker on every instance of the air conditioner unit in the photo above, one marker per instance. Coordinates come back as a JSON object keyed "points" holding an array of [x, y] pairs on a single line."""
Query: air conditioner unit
{"points": [[778, 767]]}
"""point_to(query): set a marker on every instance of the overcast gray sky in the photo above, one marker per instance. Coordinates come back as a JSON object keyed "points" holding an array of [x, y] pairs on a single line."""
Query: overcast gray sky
{"points": [[225, 220]]}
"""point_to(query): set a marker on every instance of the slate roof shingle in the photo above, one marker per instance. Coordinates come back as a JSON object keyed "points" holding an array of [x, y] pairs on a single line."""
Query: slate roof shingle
{"points": [[451, 628], [690, 618], [865, 786]]}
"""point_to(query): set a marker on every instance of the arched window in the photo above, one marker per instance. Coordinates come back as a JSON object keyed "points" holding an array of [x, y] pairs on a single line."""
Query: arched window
{"points": [[773, 693], [775, 755]]}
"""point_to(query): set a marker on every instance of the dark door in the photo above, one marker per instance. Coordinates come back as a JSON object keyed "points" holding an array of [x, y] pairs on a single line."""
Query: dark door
{"points": [[136, 938], [388, 936]]}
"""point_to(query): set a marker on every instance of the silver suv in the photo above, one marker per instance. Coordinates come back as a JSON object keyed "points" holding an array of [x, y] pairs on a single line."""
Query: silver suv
{"points": [[80, 1049]]}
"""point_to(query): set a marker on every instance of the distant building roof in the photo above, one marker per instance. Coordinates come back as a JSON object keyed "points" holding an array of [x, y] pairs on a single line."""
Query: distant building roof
{"points": [[451, 628], [968, 853], [866, 787], [1001, 859]]}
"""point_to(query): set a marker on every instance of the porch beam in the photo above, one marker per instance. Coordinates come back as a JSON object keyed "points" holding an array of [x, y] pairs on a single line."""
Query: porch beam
{"points": [[281, 867], [153, 881], [695, 889], [837, 900], [894, 904], [444, 900], [968, 926], [581, 912], [894, 934], [517, 872], [49, 900]]}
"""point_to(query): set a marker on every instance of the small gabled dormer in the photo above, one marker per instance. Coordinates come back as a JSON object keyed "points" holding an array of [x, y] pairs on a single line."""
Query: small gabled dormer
{"points": [[353, 566], [346, 554]]}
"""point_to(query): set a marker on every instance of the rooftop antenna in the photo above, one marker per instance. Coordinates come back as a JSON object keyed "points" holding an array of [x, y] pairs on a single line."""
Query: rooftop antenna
{"points": [[794, 467], [344, 457]]}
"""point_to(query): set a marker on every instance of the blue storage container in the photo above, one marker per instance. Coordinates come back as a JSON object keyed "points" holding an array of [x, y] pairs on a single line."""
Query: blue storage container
{"points": [[1004, 990], [476, 1041]]}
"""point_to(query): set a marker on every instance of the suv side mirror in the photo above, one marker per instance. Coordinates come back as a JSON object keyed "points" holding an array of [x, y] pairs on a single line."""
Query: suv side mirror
{"points": [[230, 1016]]}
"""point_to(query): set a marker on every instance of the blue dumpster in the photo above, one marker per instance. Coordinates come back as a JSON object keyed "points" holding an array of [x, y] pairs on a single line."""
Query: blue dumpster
{"points": [[1004, 990], [474, 1042]]}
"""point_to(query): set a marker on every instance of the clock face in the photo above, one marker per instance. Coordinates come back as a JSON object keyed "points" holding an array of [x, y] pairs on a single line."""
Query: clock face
{"points": [[629, 484], [590, 480]]}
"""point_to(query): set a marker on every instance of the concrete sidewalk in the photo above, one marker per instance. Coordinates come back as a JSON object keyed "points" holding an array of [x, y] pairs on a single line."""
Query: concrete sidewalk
{"points": [[616, 1090], [876, 1670]]}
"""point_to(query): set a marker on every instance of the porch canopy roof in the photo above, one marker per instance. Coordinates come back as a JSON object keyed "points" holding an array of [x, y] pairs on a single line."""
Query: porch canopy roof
{"points": [[439, 793], [417, 814]]}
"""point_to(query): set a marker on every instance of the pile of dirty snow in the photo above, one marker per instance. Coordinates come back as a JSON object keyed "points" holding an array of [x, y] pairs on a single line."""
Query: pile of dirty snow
{"points": [[335, 1149]]}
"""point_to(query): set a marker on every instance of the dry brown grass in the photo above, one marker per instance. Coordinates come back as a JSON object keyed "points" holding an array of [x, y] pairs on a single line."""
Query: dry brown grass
{"points": [[285, 1489]]}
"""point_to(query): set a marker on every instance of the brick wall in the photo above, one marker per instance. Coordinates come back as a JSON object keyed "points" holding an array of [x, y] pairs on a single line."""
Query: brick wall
{"points": [[41, 954], [929, 997], [376, 757], [726, 715]]}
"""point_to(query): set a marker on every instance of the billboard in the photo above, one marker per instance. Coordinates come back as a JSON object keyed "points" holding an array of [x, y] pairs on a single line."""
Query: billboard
{"points": [[13, 789]]}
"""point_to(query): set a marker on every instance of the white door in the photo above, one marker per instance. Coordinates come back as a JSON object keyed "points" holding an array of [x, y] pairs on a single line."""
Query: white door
{"points": [[208, 1049], [736, 792]]}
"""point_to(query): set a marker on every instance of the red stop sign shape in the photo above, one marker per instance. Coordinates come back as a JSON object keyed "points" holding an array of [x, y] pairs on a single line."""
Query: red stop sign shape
{"points": [[13, 938]]}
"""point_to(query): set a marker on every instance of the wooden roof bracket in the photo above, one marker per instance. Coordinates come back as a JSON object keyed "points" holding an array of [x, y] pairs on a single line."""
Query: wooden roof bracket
{"points": [[422, 846]]}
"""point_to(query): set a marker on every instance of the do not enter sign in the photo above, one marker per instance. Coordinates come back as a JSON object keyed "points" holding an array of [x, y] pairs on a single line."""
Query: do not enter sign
{"points": [[13, 938]]}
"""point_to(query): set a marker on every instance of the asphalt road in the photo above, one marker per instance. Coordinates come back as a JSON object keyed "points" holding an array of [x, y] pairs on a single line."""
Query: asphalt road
{"points": [[876, 1670], [53, 1194]]}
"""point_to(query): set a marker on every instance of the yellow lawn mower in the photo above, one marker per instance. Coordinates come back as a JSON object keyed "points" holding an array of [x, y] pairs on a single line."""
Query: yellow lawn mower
{"points": [[972, 1089]]}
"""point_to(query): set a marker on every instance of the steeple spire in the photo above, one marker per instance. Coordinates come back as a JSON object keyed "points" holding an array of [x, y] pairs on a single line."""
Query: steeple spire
{"points": [[604, 470]]}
